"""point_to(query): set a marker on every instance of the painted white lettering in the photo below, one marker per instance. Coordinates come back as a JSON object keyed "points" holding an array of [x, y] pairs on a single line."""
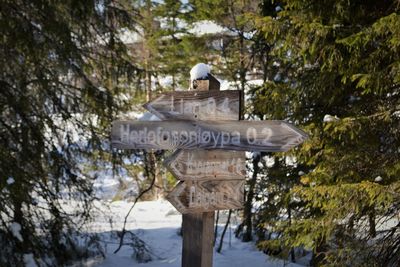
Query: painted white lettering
{"points": [[235, 138], [251, 135], [151, 137], [124, 133], [211, 105], [268, 133], [225, 106], [215, 138], [205, 137], [225, 137], [184, 134], [133, 137]]}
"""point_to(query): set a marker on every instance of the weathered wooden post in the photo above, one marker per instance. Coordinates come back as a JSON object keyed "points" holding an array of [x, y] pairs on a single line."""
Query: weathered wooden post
{"points": [[203, 124], [198, 228]]}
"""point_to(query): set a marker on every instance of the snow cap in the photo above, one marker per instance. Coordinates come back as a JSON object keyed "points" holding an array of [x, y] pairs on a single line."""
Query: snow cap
{"points": [[199, 71], [10, 180], [330, 118]]}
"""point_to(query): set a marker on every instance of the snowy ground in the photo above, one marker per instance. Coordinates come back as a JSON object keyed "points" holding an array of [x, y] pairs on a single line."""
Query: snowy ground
{"points": [[158, 223]]}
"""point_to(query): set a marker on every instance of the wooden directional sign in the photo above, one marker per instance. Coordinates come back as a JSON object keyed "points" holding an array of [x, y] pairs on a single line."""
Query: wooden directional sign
{"points": [[207, 195], [207, 164], [200, 105], [273, 136]]}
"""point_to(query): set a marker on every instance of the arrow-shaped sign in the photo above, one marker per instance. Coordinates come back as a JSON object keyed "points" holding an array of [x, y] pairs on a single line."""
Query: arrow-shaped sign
{"points": [[208, 195], [207, 164], [196, 105], [273, 136]]}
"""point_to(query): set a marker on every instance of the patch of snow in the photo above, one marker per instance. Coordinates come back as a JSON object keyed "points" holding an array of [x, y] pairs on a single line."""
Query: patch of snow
{"points": [[129, 37], [207, 27], [165, 81], [147, 116], [269, 161], [330, 118], [378, 179], [353, 98], [158, 223], [291, 161], [166, 23], [301, 173], [199, 71], [16, 231], [230, 85], [132, 115], [278, 8], [257, 82], [249, 155], [225, 85], [278, 77], [29, 260], [276, 64], [10, 180], [396, 113], [249, 35], [123, 97]]}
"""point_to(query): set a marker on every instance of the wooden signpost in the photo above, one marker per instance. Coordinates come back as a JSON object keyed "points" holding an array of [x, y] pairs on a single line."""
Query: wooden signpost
{"points": [[273, 136], [207, 195], [206, 164], [196, 105], [205, 129]]}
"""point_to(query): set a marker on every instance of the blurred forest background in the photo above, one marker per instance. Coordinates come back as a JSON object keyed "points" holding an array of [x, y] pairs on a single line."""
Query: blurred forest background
{"points": [[332, 68]]}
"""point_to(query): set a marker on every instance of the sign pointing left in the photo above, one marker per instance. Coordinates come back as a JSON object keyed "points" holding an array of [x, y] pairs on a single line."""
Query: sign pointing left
{"points": [[207, 195], [196, 105], [207, 164]]}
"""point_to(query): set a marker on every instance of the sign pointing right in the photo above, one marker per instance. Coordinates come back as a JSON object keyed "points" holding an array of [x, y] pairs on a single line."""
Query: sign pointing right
{"points": [[272, 136]]}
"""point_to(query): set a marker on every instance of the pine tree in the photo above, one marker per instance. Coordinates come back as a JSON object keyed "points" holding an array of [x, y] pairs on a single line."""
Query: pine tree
{"points": [[236, 52], [61, 62], [341, 84]]}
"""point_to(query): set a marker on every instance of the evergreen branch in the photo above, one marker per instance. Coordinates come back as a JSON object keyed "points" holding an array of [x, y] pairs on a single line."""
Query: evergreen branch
{"points": [[147, 169]]}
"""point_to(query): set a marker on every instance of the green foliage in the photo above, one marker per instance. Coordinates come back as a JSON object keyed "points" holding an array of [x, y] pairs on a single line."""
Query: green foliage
{"points": [[60, 64], [337, 58]]}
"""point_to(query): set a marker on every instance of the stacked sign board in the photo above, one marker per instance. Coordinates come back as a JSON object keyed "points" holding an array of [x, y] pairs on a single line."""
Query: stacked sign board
{"points": [[204, 127]]}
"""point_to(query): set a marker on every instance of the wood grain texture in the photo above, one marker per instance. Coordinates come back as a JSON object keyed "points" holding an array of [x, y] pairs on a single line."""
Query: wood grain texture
{"points": [[272, 136], [198, 234], [207, 164], [196, 105], [207, 195], [198, 228]]}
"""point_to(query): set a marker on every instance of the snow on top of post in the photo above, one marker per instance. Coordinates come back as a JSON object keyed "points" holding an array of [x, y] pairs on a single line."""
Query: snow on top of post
{"points": [[10, 180], [199, 71]]}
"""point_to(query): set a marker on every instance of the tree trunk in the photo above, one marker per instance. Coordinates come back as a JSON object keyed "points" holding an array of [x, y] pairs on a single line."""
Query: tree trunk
{"points": [[292, 255], [247, 235], [216, 229], [372, 223], [148, 84], [224, 231]]}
